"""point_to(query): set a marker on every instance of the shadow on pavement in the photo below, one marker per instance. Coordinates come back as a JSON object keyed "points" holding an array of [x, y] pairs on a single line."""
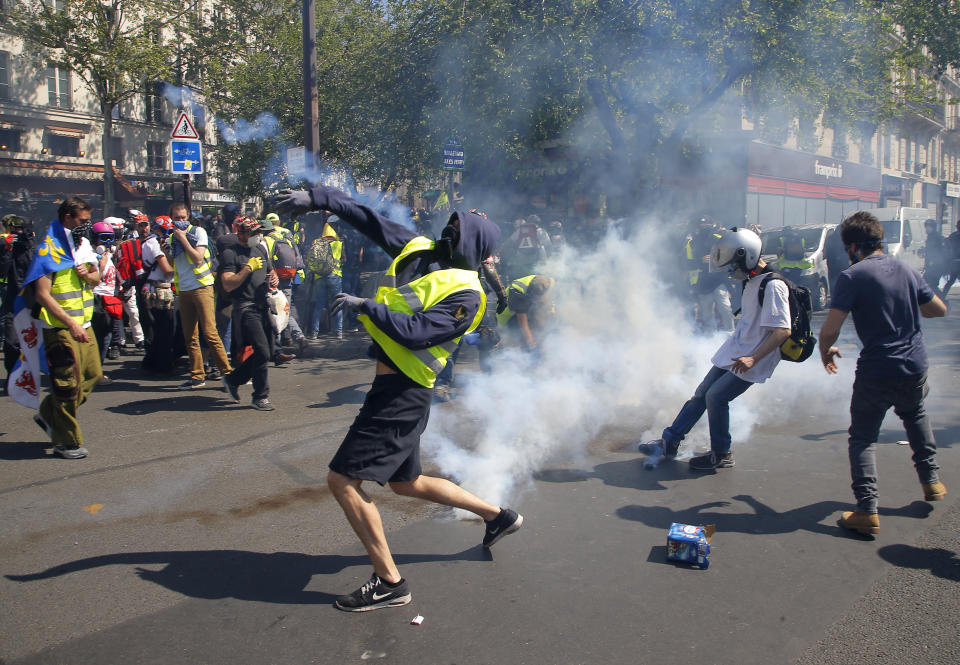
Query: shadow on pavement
{"points": [[940, 562], [278, 577], [354, 394], [762, 520], [192, 402], [628, 473], [20, 450]]}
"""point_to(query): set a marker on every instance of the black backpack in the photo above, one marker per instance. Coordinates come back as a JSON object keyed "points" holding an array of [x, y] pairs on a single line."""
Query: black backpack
{"points": [[799, 346]]}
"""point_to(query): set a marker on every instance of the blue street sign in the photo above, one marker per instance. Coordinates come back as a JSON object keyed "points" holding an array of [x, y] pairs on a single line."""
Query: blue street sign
{"points": [[186, 156], [452, 155]]}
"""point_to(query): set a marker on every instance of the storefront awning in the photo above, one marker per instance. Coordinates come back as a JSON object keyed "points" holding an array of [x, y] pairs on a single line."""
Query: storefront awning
{"points": [[68, 132]]}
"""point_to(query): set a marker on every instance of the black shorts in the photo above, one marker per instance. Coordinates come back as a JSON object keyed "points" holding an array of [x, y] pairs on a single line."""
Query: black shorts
{"points": [[383, 443]]}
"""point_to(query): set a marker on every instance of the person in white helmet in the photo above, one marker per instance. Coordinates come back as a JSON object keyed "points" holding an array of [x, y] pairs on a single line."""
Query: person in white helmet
{"points": [[747, 357]]}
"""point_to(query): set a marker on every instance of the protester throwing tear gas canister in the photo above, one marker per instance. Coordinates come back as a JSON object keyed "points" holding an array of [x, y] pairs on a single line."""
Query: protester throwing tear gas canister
{"points": [[429, 296]]}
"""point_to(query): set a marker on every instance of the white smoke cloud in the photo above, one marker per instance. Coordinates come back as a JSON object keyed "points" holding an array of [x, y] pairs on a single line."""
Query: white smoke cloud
{"points": [[621, 358]]}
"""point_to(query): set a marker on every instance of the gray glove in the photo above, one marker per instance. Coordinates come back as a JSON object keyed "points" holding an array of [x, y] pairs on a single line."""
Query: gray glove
{"points": [[345, 300], [294, 201]]}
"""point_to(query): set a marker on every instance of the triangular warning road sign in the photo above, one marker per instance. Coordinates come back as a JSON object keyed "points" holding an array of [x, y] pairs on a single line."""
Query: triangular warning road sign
{"points": [[183, 129]]}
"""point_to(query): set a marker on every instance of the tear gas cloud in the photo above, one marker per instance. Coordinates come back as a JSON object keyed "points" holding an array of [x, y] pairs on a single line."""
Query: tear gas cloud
{"points": [[621, 357]]}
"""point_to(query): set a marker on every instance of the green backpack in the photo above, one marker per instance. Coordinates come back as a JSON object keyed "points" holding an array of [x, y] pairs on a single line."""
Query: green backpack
{"points": [[320, 259]]}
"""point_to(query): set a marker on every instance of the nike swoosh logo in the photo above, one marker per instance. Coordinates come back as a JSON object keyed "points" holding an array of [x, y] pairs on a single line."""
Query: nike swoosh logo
{"points": [[377, 596], [494, 532]]}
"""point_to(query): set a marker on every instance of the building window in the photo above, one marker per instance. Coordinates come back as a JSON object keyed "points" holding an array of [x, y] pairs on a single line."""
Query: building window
{"points": [[4, 75], [116, 149], [887, 147], [64, 146], [10, 140], [154, 102], [58, 88], [200, 120], [156, 155]]}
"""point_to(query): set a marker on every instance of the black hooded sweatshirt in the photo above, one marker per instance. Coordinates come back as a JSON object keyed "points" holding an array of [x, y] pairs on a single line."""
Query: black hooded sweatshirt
{"points": [[447, 319]]}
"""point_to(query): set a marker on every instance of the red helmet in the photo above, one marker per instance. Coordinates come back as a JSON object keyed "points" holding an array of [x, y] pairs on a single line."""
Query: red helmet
{"points": [[162, 222], [138, 217]]}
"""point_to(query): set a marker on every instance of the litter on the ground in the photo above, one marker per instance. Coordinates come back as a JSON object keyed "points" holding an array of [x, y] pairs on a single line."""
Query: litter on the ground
{"points": [[690, 544], [417, 620]]}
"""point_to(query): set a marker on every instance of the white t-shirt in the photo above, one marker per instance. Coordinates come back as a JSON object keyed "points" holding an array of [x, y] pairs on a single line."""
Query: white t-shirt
{"points": [[108, 279], [754, 328], [186, 279], [150, 251]]}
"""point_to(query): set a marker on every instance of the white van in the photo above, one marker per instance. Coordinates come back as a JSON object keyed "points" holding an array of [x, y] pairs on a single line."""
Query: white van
{"points": [[806, 263], [903, 233]]}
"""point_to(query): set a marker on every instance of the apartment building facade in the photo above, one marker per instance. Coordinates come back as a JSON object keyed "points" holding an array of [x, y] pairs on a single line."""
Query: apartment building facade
{"points": [[51, 143]]}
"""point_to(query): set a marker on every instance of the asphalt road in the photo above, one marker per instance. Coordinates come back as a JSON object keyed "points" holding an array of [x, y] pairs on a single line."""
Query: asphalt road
{"points": [[202, 532]]}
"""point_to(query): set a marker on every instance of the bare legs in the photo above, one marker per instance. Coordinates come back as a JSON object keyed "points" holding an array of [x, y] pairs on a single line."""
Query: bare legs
{"points": [[364, 517]]}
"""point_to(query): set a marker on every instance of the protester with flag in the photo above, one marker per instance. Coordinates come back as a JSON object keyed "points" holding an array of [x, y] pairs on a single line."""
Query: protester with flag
{"points": [[62, 275]]}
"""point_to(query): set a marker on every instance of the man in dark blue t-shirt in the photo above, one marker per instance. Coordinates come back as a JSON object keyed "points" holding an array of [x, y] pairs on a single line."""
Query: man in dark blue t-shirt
{"points": [[886, 298]]}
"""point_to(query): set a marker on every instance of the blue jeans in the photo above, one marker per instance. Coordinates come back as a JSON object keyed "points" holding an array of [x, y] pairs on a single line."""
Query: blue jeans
{"points": [[714, 394], [324, 290], [871, 399]]}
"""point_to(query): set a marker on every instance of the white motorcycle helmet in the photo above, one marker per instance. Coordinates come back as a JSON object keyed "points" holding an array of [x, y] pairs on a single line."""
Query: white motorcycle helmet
{"points": [[736, 249]]}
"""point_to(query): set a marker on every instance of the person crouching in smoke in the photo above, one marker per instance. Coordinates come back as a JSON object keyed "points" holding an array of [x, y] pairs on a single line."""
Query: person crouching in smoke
{"points": [[428, 298], [747, 357]]}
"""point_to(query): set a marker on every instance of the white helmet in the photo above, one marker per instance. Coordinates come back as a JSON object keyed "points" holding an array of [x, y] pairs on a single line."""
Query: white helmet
{"points": [[737, 248]]}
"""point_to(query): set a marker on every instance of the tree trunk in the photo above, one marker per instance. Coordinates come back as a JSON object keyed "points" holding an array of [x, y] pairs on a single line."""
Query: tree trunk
{"points": [[108, 189]]}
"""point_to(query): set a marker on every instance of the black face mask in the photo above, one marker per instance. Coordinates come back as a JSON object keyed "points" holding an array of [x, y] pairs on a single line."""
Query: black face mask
{"points": [[449, 239]]}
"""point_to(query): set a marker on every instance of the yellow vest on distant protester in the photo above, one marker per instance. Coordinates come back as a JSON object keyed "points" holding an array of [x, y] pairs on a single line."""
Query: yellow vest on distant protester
{"points": [[421, 365], [202, 270], [520, 286]]}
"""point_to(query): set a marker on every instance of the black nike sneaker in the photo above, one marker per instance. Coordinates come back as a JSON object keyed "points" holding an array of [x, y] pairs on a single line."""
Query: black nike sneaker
{"points": [[503, 524], [712, 460], [374, 595]]}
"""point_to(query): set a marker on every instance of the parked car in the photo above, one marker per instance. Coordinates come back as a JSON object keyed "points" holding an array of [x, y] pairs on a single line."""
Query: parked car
{"points": [[797, 252]]}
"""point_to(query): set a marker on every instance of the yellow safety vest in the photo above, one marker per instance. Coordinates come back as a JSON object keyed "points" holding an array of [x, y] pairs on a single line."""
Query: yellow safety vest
{"points": [[73, 294], [520, 286], [202, 270], [693, 276], [799, 264], [421, 365], [336, 248]]}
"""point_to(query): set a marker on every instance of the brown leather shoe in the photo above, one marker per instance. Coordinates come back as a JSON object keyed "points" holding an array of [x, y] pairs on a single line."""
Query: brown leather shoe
{"points": [[934, 491], [863, 523], [281, 358]]}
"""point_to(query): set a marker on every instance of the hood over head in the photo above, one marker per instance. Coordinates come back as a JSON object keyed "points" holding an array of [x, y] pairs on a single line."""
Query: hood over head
{"points": [[478, 239], [229, 212]]}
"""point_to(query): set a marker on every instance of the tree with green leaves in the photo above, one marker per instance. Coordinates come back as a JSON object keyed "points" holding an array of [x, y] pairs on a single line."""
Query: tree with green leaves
{"points": [[374, 77], [113, 46]]}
